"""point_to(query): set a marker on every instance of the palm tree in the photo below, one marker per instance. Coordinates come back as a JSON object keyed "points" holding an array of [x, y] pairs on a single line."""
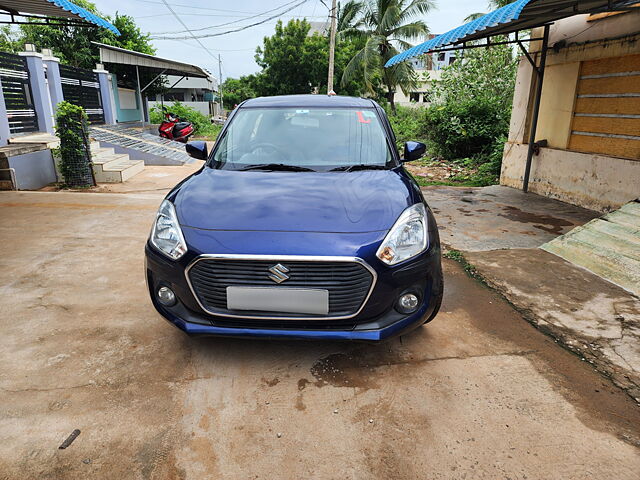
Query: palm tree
{"points": [[493, 5], [386, 27], [347, 14]]}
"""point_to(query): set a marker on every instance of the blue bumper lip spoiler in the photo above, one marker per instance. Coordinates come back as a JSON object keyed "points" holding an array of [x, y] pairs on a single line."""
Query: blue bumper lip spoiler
{"points": [[402, 326]]}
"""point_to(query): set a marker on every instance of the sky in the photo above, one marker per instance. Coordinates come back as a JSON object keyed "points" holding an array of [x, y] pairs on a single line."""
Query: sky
{"points": [[237, 50]]}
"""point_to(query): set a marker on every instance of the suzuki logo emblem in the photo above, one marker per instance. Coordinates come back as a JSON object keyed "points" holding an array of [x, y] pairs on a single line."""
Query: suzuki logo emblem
{"points": [[279, 273]]}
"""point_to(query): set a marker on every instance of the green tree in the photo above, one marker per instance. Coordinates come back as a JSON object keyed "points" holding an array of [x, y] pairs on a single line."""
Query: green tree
{"points": [[281, 58], [347, 14], [293, 61], [73, 44], [9, 40], [237, 90], [385, 28], [493, 5], [483, 73]]}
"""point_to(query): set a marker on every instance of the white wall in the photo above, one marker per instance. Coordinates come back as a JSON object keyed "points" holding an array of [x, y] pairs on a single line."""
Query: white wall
{"points": [[210, 83], [592, 181]]}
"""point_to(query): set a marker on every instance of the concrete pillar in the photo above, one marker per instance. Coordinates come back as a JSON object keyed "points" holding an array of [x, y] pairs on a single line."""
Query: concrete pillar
{"points": [[4, 120], [39, 89], [106, 92], [53, 78]]}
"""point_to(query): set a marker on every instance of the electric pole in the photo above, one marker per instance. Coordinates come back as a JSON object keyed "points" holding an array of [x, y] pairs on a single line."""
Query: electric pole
{"points": [[332, 48], [220, 84]]}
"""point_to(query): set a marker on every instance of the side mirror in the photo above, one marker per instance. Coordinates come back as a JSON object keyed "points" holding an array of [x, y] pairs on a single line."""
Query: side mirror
{"points": [[413, 151], [197, 150]]}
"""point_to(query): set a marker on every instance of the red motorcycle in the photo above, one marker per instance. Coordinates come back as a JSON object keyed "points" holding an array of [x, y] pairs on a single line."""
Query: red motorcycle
{"points": [[174, 128]]}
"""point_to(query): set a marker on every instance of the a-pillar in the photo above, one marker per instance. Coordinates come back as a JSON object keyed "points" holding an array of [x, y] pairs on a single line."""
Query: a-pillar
{"points": [[106, 93], [53, 78], [39, 89]]}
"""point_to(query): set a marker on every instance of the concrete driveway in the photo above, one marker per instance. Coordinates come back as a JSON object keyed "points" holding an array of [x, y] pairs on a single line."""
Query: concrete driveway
{"points": [[479, 393]]}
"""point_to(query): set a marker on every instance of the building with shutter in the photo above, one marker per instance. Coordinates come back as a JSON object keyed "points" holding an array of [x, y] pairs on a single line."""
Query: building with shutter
{"points": [[588, 136]]}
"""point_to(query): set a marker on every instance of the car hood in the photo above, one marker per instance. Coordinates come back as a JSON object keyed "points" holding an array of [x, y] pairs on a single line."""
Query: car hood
{"points": [[345, 202]]}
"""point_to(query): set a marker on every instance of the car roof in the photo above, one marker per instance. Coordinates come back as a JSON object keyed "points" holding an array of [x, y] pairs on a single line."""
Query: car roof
{"points": [[309, 101]]}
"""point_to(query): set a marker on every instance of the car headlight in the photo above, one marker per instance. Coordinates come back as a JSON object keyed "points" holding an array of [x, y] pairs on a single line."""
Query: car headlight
{"points": [[407, 238], [166, 235]]}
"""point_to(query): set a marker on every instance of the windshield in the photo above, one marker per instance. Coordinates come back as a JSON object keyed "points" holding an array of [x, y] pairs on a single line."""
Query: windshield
{"points": [[313, 138]]}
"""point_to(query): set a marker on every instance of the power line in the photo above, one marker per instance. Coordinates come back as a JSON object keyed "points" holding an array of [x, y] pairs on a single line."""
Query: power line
{"points": [[196, 7], [209, 35], [251, 15], [196, 46], [187, 28], [242, 17]]}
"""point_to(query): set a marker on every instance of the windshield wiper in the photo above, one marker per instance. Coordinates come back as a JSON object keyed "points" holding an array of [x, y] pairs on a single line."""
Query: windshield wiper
{"points": [[361, 166], [278, 166]]}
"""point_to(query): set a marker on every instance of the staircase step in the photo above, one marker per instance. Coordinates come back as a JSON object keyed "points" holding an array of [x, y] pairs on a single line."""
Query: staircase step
{"points": [[612, 245], [632, 208], [607, 246], [619, 269], [107, 159], [121, 171], [621, 232], [99, 152]]}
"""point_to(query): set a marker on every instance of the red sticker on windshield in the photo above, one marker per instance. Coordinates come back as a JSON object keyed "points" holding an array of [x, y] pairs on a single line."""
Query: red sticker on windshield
{"points": [[361, 118]]}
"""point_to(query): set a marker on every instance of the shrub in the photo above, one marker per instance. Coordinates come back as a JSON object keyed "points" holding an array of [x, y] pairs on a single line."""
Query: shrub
{"points": [[75, 151], [201, 124], [464, 129], [470, 117], [408, 124]]}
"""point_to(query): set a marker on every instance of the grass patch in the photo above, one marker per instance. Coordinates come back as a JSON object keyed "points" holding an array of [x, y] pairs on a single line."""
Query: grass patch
{"points": [[455, 182], [458, 256], [208, 133]]}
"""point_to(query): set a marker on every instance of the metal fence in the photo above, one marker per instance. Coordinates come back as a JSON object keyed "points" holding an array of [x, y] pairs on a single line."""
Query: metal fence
{"points": [[81, 87], [14, 76]]}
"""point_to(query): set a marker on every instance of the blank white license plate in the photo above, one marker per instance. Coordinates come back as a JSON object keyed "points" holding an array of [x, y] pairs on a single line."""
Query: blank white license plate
{"points": [[285, 300]]}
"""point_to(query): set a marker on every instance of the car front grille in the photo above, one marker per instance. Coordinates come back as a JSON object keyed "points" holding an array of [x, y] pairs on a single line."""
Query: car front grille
{"points": [[348, 282]]}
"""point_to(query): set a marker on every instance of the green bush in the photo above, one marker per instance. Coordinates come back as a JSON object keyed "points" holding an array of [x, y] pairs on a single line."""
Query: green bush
{"points": [[201, 123], [408, 124], [465, 129], [72, 128]]}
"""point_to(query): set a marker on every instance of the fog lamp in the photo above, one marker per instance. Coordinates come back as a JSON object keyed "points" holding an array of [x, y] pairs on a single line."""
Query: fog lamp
{"points": [[166, 296], [407, 303]]}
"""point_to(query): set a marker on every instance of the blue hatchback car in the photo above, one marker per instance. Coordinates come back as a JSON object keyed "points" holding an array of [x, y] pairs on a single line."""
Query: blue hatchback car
{"points": [[302, 223]]}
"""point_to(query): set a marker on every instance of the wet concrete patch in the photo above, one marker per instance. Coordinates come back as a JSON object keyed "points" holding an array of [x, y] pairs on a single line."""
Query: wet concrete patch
{"points": [[546, 223], [497, 217], [343, 370]]}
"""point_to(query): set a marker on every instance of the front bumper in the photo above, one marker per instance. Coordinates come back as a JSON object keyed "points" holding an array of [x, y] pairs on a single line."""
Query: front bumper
{"points": [[390, 326], [377, 321]]}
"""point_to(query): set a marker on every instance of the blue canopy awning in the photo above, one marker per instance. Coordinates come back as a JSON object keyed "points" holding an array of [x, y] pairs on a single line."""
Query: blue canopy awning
{"points": [[49, 9], [519, 15]]}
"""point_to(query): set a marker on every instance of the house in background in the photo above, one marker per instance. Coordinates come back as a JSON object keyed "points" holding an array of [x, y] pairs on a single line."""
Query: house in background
{"points": [[197, 93], [589, 123], [428, 67], [137, 71]]}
